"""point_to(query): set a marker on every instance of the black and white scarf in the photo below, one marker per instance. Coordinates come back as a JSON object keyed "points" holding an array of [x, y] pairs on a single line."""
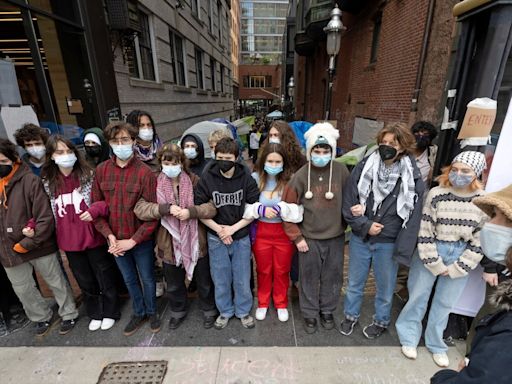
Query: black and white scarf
{"points": [[380, 179]]}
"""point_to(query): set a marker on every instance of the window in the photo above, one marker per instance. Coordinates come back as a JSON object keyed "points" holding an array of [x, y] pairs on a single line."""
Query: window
{"points": [[210, 16], [196, 6], [258, 81], [199, 68], [213, 68], [140, 56], [177, 58], [222, 78], [375, 38], [219, 20]]}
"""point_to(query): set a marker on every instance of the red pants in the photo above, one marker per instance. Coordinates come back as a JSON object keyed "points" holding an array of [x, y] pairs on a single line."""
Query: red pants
{"points": [[273, 252]]}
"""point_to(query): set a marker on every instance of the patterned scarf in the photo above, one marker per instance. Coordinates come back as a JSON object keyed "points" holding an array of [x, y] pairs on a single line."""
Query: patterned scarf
{"points": [[148, 154], [185, 238], [376, 177]]}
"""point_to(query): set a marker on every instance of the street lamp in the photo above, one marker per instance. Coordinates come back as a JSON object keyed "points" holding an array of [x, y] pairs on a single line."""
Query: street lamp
{"points": [[291, 92], [333, 31]]}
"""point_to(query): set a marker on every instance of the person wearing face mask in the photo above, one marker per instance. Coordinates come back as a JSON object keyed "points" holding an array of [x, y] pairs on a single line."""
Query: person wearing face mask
{"points": [[230, 188], [33, 140], [425, 152], [193, 149], [121, 182], [67, 179], [319, 238], [272, 249], [448, 249], [496, 241], [147, 142], [96, 147], [382, 204], [281, 133], [181, 238], [23, 199]]}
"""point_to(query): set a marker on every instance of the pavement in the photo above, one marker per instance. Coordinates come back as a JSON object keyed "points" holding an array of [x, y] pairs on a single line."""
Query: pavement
{"points": [[272, 352]]}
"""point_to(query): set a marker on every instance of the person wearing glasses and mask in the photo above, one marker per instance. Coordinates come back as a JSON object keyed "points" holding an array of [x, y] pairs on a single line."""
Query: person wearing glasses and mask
{"points": [[121, 182]]}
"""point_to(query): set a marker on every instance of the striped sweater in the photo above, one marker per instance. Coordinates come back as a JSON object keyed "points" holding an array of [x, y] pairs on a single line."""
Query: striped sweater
{"points": [[449, 215]]}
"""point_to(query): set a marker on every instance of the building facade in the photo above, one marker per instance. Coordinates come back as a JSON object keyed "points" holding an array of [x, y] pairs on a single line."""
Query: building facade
{"points": [[262, 29], [235, 50], [392, 65], [178, 68]]}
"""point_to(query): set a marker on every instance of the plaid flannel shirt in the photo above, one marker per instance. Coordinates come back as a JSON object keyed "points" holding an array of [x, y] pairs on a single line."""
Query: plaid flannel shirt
{"points": [[121, 188]]}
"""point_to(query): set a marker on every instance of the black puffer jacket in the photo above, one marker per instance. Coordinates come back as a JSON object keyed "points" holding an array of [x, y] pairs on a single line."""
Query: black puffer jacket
{"points": [[490, 359]]}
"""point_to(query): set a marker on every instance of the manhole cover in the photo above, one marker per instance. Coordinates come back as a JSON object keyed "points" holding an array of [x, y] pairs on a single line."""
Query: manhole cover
{"points": [[134, 372]]}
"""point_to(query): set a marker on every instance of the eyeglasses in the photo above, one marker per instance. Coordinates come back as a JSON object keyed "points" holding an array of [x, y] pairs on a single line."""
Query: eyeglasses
{"points": [[121, 140]]}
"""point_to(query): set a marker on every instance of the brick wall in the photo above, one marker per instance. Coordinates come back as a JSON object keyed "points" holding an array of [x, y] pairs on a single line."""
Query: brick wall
{"points": [[381, 90], [260, 70]]}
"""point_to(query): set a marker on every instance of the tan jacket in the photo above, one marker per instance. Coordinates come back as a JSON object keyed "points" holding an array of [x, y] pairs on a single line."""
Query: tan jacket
{"points": [[147, 211]]}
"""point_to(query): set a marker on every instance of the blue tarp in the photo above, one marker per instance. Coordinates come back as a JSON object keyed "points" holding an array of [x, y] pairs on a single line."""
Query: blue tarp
{"points": [[300, 128]]}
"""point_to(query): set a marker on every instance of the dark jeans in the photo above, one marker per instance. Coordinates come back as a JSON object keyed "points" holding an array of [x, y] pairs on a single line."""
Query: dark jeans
{"points": [[178, 300], [95, 272], [321, 276], [139, 261], [8, 298]]}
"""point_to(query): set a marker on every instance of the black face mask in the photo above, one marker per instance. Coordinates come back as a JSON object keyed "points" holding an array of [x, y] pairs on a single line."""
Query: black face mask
{"points": [[387, 152], [5, 170], [93, 150], [225, 165], [422, 142]]}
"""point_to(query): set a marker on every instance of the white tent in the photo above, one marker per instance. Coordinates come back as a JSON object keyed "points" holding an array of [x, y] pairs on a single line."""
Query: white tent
{"points": [[275, 115], [242, 127], [202, 129]]}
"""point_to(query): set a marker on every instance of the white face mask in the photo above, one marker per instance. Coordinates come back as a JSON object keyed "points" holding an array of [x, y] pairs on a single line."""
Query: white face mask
{"points": [[495, 241], [274, 140], [171, 171], [146, 134], [37, 151], [65, 161], [190, 153]]}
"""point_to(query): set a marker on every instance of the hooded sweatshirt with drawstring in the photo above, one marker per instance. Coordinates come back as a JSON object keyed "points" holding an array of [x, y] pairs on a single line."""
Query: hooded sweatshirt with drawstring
{"points": [[196, 165]]}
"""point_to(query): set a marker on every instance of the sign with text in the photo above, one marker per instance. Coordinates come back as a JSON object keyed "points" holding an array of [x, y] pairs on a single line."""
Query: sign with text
{"points": [[479, 118]]}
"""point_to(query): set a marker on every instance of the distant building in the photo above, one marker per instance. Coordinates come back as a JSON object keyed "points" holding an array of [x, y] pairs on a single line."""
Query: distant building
{"points": [[262, 30], [235, 49]]}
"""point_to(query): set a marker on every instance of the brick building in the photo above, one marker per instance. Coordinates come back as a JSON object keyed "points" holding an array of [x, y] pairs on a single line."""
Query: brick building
{"points": [[392, 52]]}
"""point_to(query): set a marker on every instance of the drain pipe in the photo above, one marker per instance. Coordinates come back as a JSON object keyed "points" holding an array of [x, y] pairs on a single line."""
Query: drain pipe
{"points": [[423, 56]]}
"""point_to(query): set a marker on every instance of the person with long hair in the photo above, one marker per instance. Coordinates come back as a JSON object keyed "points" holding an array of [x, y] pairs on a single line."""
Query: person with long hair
{"points": [[272, 249], [448, 249], [68, 179], [181, 238], [280, 132], [382, 204], [147, 143]]}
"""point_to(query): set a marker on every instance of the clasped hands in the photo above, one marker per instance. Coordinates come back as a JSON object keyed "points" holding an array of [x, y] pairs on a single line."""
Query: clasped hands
{"points": [[179, 213], [358, 210]]}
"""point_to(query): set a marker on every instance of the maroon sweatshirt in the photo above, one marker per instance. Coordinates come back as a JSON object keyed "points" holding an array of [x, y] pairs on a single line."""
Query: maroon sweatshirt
{"points": [[73, 234]]}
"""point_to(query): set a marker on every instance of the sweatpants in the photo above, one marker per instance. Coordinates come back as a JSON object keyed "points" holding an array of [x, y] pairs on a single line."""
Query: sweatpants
{"points": [[321, 274], [35, 306]]}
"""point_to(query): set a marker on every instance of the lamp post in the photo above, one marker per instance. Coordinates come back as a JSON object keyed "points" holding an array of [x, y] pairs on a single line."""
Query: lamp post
{"points": [[291, 93], [333, 31]]}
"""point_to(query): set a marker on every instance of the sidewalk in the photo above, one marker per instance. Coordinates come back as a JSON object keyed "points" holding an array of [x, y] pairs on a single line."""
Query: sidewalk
{"points": [[219, 365]]}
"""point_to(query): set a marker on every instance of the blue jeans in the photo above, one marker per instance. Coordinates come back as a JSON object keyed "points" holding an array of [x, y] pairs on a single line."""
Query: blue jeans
{"points": [[363, 255], [139, 261], [447, 292], [230, 267]]}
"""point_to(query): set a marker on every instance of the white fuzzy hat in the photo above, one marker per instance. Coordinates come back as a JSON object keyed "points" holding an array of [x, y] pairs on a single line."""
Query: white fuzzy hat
{"points": [[321, 133]]}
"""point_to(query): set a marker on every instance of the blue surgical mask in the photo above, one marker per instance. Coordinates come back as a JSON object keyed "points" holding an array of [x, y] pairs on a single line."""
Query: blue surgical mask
{"points": [[274, 140], [171, 171], [66, 161], [460, 180], [273, 171], [190, 153], [122, 151], [320, 160], [495, 241]]}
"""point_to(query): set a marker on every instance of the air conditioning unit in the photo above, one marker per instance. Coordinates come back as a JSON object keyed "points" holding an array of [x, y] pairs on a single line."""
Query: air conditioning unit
{"points": [[123, 15]]}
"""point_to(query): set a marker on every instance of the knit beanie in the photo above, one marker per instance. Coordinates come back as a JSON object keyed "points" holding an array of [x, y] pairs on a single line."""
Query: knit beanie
{"points": [[473, 159], [321, 133], [500, 199], [92, 137]]}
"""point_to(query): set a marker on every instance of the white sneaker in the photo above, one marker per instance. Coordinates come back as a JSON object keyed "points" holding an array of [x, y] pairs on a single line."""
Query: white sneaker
{"points": [[160, 288], [441, 359], [94, 325], [261, 313], [107, 323], [409, 352], [282, 314]]}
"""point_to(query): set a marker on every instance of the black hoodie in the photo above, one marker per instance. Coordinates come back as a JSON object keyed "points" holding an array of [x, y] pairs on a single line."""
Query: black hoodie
{"points": [[105, 147], [196, 165], [229, 195]]}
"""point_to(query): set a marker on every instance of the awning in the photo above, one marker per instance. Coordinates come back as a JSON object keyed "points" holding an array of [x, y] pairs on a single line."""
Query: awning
{"points": [[468, 5]]}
